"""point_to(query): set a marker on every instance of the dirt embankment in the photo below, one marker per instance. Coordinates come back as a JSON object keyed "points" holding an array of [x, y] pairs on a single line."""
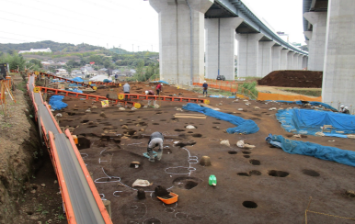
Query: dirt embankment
{"points": [[19, 147], [290, 78]]}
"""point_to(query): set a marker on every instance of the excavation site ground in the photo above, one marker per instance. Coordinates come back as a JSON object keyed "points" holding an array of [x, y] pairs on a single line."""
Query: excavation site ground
{"points": [[259, 185]]}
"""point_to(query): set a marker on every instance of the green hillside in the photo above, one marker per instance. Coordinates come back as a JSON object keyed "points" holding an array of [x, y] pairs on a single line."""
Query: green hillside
{"points": [[54, 46]]}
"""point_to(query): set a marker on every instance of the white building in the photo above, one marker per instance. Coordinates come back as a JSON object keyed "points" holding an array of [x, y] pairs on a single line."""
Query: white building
{"points": [[47, 50], [61, 72]]}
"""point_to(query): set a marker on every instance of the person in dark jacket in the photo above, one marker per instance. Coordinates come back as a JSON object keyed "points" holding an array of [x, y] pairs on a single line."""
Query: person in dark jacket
{"points": [[205, 87], [156, 140]]}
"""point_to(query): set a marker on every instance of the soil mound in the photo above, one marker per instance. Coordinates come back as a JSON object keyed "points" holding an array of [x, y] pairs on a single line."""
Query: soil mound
{"points": [[290, 78]]}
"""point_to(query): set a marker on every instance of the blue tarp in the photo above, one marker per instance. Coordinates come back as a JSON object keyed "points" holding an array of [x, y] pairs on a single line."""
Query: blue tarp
{"points": [[56, 102], [312, 149], [57, 80], [161, 81], [107, 80], [244, 126], [217, 96], [313, 103], [305, 121], [78, 79], [76, 91]]}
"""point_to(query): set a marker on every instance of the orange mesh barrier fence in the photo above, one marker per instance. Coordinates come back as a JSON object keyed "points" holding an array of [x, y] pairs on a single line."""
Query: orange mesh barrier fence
{"points": [[222, 85], [274, 96]]}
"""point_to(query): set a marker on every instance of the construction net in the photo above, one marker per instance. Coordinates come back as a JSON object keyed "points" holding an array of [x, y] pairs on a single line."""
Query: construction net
{"points": [[312, 149], [244, 126], [305, 121]]}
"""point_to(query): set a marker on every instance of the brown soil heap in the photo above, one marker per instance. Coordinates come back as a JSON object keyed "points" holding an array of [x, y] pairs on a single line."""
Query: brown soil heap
{"points": [[293, 79]]}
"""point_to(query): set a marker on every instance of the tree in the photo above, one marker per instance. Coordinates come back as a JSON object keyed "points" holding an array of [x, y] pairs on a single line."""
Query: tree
{"points": [[96, 58], [36, 62]]}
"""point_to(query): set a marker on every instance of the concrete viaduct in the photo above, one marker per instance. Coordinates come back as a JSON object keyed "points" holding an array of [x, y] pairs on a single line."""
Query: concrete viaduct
{"points": [[329, 29], [182, 25]]}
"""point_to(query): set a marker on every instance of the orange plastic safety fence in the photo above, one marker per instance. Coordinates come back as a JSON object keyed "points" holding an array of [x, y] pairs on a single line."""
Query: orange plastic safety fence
{"points": [[222, 85], [274, 96]]}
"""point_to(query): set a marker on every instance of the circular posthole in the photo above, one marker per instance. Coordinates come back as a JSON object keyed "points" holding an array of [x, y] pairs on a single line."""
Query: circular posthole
{"points": [[246, 156], [178, 130], [155, 123], [243, 174], [255, 172], [232, 152], [246, 152], [84, 121], [197, 135], [152, 221], [250, 204], [186, 182], [169, 210], [276, 173], [29, 213], [190, 132], [254, 161], [311, 173]]}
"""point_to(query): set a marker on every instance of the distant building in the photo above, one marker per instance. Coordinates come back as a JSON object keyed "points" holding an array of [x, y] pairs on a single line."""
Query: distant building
{"points": [[61, 72], [76, 72], [47, 50]]}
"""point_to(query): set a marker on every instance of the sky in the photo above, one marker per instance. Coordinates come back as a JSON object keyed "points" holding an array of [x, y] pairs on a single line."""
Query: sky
{"points": [[129, 24]]}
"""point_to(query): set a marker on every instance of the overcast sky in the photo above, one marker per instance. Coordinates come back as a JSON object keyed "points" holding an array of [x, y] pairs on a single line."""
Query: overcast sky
{"points": [[126, 23]]}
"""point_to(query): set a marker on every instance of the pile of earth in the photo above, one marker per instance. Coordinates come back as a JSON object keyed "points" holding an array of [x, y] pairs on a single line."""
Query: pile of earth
{"points": [[289, 78]]}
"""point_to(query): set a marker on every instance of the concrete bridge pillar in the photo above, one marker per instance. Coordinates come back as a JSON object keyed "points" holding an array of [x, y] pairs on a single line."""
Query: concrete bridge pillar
{"points": [[317, 39], [276, 57], [305, 62], [300, 62], [295, 61], [290, 55], [339, 66], [265, 59], [220, 45], [181, 39], [283, 61], [248, 54]]}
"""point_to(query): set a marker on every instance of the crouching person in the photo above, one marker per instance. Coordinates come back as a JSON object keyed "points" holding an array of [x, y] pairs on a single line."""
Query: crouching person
{"points": [[156, 140]]}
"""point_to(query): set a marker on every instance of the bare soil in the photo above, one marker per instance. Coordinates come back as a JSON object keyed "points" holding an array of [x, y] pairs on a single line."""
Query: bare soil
{"points": [[289, 78], [25, 166], [261, 185]]}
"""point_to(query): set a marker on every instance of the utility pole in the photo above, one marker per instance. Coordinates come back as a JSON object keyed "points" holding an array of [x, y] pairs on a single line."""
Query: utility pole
{"points": [[138, 48], [132, 47]]}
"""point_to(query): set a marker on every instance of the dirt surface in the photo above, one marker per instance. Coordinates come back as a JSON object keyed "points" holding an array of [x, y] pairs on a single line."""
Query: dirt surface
{"points": [[261, 185], [289, 78], [23, 199]]}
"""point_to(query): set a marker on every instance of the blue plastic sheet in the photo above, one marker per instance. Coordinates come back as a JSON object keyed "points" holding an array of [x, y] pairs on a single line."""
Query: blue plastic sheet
{"points": [[56, 102], [107, 80], [78, 79], [244, 126], [313, 103], [305, 121], [312, 149], [217, 96], [161, 81], [76, 91]]}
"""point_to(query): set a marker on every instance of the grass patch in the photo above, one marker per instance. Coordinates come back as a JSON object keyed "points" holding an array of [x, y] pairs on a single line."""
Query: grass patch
{"points": [[307, 92], [248, 89]]}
